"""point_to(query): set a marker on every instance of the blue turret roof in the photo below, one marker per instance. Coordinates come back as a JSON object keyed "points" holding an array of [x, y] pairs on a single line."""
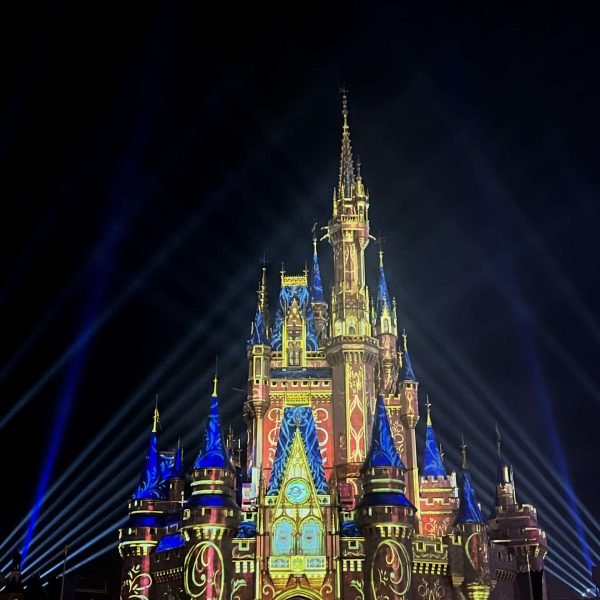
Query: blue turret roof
{"points": [[383, 297], [214, 454], [171, 542], [300, 417], [177, 468], [382, 452], [406, 372], [316, 287], [433, 466], [259, 335], [151, 483], [468, 511]]}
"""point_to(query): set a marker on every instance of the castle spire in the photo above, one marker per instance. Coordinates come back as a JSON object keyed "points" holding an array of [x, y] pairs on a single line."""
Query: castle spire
{"points": [[383, 463], [468, 510], [433, 465], [259, 327], [214, 454], [505, 486], [156, 416], [383, 452], [178, 462], [347, 177], [384, 305], [263, 297], [316, 287], [406, 373], [150, 485]]}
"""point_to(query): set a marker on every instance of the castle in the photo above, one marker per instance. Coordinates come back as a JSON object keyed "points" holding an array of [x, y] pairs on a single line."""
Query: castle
{"points": [[330, 502]]}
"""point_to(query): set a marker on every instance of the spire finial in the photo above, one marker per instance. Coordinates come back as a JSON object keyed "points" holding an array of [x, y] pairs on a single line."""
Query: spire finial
{"points": [[498, 441], [358, 166], [156, 416], [344, 93], [380, 241], [216, 380], [405, 340], [230, 437], [347, 177], [463, 449], [314, 237], [428, 405]]}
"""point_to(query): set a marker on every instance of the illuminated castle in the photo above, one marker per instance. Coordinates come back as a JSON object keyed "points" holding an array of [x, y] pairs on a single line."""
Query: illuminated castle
{"points": [[331, 501]]}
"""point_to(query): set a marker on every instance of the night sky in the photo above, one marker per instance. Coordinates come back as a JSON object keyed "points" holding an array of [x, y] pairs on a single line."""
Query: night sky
{"points": [[150, 156]]}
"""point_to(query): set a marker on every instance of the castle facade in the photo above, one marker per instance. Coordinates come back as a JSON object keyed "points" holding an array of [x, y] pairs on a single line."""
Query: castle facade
{"points": [[336, 497]]}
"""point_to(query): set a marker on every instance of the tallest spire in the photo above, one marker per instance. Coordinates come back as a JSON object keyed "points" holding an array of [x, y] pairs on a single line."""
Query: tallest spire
{"points": [[347, 175]]}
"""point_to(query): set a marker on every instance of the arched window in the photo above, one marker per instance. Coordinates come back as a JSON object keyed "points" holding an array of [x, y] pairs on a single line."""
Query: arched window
{"points": [[283, 537], [311, 537]]}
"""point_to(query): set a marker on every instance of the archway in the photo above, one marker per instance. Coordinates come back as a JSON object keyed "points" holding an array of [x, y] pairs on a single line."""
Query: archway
{"points": [[299, 593]]}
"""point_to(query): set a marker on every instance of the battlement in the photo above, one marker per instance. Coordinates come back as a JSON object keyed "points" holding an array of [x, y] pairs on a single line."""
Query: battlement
{"points": [[431, 483], [294, 280]]}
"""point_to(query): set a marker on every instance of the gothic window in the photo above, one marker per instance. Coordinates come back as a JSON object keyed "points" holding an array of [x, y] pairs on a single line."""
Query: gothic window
{"points": [[283, 537], [294, 335], [311, 537]]}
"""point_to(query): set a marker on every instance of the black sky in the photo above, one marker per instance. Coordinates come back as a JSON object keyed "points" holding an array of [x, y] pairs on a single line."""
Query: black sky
{"points": [[150, 155]]}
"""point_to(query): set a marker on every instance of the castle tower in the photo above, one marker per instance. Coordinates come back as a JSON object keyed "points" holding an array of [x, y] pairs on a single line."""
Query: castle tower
{"points": [[319, 306], [439, 494], [351, 350], [515, 526], [259, 364], [470, 563], [408, 415], [386, 331], [385, 516], [145, 526], [176, 476], [211, 516]]}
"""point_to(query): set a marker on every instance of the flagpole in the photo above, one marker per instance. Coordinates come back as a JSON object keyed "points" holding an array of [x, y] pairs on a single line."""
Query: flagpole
{"points": [[62, 585]]}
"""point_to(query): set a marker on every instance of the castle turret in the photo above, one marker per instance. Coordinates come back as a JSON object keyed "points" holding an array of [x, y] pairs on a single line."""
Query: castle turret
{"points": [[146, 524], [319, 306], [515, 526], [385, 515], [386, 331], [408, 388], [259, 365], [439, 494], [211, 516], [176, 476], [471, 567]]}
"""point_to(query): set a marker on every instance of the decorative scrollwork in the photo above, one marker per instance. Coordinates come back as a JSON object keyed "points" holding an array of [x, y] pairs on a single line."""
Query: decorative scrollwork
{"points": [[321, 417], [390, 571], [137, 584], [477, 555], [435, 591], [359, 586], [268, 590], [397, 430], [433, 526], [236, 584], [204, 575]]}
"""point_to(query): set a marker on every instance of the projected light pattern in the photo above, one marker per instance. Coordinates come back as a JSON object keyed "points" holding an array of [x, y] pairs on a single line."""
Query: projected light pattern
{"points": [[115, 472], [536, 486]]}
